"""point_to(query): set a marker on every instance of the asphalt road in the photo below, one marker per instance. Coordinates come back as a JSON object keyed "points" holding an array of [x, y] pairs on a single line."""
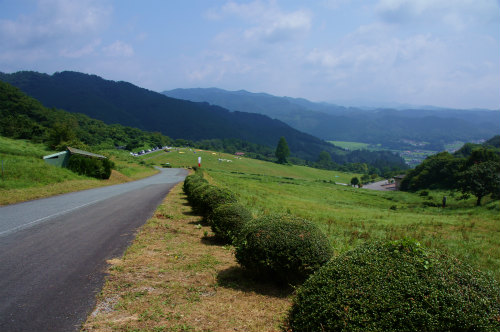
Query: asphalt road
{"points": [[53, 251]]}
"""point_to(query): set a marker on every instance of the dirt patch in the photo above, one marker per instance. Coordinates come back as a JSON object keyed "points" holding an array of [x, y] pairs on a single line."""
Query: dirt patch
{"points": [[174, 277]]}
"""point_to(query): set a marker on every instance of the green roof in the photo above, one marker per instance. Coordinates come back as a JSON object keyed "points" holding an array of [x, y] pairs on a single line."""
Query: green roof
{"points": [[84, 153]]}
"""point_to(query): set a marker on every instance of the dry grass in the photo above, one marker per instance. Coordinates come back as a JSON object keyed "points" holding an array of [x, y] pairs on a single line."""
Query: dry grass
{"points": [[175, 277]]}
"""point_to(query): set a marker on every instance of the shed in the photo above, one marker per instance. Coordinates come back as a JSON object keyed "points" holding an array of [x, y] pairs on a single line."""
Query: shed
{"points": [[398, 179], [61, 158]]}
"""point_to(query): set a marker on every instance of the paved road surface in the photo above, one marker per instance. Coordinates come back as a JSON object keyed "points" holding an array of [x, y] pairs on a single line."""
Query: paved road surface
{"points": [[53, 251], [381, 185]]}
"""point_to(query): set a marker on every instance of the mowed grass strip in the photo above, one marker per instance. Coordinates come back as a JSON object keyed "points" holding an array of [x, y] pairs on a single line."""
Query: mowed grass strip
{"points": [[175, 277]]}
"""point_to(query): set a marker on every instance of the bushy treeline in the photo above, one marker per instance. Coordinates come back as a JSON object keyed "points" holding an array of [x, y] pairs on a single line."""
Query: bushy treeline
{"points": [[474, 169], [380, 286], [383, 163], [22, 117]]}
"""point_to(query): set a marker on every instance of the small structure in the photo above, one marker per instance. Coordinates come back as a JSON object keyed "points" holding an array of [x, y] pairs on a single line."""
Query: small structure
{"points": [[61, 158], [398, 179], [240, 154]]}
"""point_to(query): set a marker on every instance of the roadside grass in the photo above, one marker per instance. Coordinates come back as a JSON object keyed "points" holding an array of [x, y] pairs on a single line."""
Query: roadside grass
{"points": [[176, 277], [26, 176]]}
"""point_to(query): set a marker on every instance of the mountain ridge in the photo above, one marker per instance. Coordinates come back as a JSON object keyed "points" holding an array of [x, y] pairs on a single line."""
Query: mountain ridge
{"points": [[129, 105], [389, 127]]}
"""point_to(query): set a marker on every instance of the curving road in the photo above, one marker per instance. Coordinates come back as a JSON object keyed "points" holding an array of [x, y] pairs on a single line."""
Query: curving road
{"points": [[53, 251]]}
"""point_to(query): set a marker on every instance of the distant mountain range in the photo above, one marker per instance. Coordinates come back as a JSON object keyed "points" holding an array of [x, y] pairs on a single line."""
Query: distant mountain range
{"points": [[129, 105], [389, 127]]}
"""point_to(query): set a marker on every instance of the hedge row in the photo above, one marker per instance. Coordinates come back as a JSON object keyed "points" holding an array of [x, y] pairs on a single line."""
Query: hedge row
{"points": [[282, 248], [93, 167], [392, 286]]}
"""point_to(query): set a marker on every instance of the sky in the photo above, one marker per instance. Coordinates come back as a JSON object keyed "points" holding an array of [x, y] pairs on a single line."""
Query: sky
{"points": [[363, 53]]}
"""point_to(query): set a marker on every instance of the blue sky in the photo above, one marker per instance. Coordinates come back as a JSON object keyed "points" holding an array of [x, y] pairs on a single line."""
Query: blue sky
{"points": [[380, 52]]}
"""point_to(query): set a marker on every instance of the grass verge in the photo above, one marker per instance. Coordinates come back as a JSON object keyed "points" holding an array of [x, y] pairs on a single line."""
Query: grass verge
{"points": [[174, 277]]}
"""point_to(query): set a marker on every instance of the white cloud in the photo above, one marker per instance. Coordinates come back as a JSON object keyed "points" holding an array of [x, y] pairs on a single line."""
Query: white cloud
{"points": [[55, 26], [118, 49], [456, 14], [267, 21], [86, 50]]}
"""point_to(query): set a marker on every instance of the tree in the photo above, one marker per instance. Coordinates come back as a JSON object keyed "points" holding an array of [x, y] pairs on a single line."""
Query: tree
{"points": [[480, 180], [282, 151], [354, 181], [62, 134]]}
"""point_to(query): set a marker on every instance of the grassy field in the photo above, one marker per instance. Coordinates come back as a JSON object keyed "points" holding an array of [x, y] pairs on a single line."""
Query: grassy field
{"points": [[351, 216], [26, 176], [350, 145]]}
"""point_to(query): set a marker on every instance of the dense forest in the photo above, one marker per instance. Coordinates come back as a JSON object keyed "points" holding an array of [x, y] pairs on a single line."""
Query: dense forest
{"points": [[474, 169], [23, 117], [432, 128], [128, 105]]}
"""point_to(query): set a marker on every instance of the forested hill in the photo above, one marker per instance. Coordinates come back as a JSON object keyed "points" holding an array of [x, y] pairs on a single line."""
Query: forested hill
{"points": [[126, 104], [388, 127]]}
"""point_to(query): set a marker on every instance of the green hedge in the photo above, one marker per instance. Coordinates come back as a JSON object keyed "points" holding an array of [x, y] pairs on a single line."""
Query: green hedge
{"points": [[282, 247], [227, 221], [93, 167], [196, 195], [396, 286], [213, 197], [191, 182]]}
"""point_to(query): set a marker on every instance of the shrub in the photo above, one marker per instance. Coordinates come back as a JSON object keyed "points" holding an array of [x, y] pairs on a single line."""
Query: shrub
{"points": [[227, 220], [282, 247], [93, 167], [196, 196], [423, 193], [212, 198], [191, 182], [396, 286]]}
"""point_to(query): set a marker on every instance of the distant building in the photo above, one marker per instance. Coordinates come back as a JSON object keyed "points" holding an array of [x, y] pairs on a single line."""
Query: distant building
{"points": [[61, 158], [240, 153], [398, 179]]}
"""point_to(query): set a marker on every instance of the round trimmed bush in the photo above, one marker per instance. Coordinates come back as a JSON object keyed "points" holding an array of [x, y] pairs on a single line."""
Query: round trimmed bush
{"points": [[396, 286], [212, 198], [227, 221], [191, 182], [196, 196], [282, 247]]}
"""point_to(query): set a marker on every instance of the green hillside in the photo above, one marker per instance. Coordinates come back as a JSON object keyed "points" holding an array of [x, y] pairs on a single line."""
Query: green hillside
{"points": [[351, 216]]}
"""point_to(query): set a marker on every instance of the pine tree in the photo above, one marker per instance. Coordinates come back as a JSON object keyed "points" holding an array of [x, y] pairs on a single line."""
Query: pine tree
{"points": [[282, 151]]}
